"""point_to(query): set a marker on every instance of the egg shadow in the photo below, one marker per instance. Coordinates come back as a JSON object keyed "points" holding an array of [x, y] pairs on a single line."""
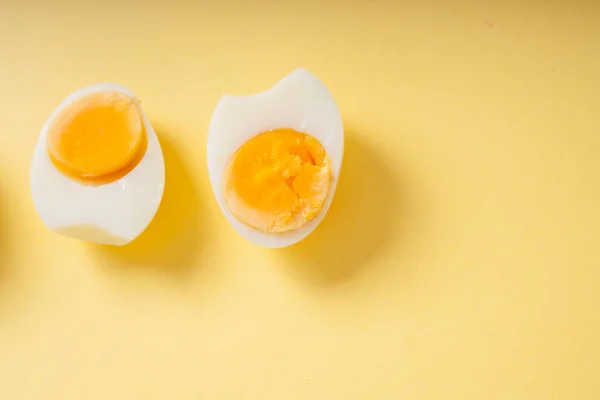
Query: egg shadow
{"points": [[359, 223], [172, 240], [7, 266], [4, 249]]}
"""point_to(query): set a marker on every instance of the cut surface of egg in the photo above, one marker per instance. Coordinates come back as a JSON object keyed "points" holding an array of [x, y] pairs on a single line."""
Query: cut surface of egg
{"points": [[274, 159], [97, 172]]}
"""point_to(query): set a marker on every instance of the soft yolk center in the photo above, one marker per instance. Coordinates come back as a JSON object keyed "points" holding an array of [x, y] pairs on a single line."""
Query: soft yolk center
{"points": [[98, 139], [277, 181]]}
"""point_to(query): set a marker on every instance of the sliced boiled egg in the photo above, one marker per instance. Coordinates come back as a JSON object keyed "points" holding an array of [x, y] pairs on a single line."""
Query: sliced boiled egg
{"points": [[274, 159], [97, 172]]}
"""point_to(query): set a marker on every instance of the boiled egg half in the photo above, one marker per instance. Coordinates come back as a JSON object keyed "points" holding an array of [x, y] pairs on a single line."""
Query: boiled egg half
{"points": [[274, 159], [97, 172]]}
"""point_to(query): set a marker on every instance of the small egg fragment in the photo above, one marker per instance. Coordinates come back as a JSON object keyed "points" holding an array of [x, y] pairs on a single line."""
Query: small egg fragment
{"points": [[98, 172], [274, 159]]}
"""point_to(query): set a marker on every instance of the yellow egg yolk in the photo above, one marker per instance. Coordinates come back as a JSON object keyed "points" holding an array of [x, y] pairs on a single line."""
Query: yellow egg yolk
{"points": [[277, 181], [98, 139]]}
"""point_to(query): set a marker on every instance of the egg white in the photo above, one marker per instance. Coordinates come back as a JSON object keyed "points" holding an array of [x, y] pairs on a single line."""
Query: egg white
{"points": [[113, 213], [299, 101]]}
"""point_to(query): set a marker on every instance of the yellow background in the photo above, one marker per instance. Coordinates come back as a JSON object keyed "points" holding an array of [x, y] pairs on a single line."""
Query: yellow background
{"points": [[460, 259]]}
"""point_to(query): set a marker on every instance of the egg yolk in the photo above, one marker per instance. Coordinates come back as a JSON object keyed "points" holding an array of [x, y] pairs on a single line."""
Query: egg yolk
{"points": [[277, 181], [98, 139]]}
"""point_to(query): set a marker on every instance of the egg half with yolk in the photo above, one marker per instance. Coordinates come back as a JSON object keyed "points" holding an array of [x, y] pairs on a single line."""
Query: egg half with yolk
{"points": [[97, 172], [274, 159]]}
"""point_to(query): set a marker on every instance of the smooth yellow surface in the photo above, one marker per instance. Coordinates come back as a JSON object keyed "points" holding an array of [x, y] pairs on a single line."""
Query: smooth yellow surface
{"points": [[99, 138], [461, 256]]}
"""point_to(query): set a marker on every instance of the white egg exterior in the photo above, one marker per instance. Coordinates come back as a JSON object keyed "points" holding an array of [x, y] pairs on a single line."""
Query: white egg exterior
{"points": [[299, 101], [113, 213]]}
